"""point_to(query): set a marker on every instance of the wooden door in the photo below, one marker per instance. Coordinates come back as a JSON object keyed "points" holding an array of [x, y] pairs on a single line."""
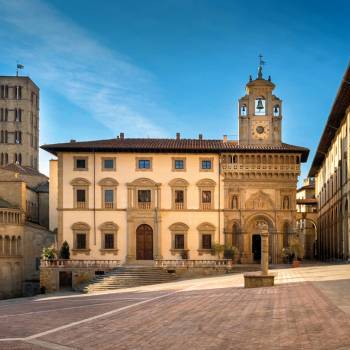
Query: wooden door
{"points": [[144, 243]]}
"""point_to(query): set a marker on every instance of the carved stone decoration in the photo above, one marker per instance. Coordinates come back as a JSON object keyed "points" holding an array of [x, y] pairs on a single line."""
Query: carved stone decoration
{"points": [[259, 200]]}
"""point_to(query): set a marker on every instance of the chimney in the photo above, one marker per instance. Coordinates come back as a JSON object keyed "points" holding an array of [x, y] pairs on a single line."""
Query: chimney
{"points": [[200, 136], [177, 136], [225, 139], [72, 141], [121, 136]]}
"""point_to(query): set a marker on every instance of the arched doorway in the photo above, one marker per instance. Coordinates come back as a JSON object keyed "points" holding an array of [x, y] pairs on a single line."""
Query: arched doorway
{"points": [[144, 242], [252, 239]]}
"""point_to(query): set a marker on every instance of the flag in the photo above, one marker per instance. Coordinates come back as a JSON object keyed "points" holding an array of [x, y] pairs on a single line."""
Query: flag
{"points": [[20, 66]]}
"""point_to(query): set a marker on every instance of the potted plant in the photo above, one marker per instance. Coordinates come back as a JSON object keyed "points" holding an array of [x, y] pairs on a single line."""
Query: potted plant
{"points": [[218, 250], [64, 251], [232, 253], [49, 253], [297, 251], [286, 255]]}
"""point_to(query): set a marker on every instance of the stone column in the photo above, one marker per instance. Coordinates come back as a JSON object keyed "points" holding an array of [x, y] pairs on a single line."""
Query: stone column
{"points": [[264, 251]]}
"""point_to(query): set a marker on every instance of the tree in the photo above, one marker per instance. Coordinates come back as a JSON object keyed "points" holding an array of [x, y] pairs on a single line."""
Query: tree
{"points": [[64, 251]]}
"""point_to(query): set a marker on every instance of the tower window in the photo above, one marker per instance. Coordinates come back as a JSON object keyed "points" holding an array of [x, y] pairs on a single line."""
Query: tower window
{"points": [[243, 110], [276, 110], [260, 106]]}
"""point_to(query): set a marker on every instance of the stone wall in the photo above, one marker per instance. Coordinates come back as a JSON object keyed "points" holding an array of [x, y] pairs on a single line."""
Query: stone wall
{"points": [[50, 276]]}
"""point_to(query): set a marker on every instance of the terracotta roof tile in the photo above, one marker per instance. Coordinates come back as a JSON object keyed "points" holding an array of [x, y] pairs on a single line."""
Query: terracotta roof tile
{"points": [[169, 145]]}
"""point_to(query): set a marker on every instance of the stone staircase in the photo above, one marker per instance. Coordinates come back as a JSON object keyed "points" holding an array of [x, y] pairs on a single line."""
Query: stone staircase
{"points": [[126, 277]]}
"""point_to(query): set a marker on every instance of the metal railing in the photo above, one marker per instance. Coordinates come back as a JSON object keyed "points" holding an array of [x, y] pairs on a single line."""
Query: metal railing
{"points": [[80, 263], [193, 263]]}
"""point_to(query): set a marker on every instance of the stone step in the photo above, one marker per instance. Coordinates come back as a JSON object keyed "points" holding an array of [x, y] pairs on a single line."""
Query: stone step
{"points": [[128, 276]]}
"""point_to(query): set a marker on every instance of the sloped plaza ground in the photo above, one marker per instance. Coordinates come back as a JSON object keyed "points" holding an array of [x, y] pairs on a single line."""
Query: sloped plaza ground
{"points": [[309, 308]]}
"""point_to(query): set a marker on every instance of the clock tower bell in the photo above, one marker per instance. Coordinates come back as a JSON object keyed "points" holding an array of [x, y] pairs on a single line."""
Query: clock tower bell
{"points": [[260, 117]]}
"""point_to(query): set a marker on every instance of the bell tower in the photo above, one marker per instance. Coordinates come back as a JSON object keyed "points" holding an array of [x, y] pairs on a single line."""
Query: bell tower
{"points": [[260, 117]]}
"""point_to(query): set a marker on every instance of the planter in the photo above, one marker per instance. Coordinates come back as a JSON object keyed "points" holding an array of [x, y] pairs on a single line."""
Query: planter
{"points": [[296, 263]]}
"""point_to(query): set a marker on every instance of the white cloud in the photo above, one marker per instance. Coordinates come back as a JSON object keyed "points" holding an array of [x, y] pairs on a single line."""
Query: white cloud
{"points": [[67, 59]]}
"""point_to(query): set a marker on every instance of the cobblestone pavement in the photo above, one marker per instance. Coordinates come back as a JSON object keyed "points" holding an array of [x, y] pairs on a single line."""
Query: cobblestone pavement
{"points": [[309, 308]]}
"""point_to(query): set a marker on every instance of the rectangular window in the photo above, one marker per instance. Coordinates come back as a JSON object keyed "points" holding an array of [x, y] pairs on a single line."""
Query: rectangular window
{"points": [[108, 198], [81, 240], [81, 198], [206, 241], [179, 164], [144, 164], [206, 196], [206, 164], [179, 196], [179, 241], [108, 164], [144, 196], [109, 241], [81, 163]]}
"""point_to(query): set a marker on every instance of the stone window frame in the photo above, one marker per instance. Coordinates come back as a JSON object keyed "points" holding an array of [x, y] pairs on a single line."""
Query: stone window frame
{"points": [[176, 229], [174, 159], [80, 184], [178, 185], [75, 158], [108, 183], [211, 159], [78, 228], [109, 227], [103, 163], [206, 185], [206, 228], [143, 184], [137, 159]]}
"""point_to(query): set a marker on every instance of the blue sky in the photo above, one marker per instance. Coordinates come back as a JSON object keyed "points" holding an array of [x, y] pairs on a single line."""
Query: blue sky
{"points": [[154, 68]]}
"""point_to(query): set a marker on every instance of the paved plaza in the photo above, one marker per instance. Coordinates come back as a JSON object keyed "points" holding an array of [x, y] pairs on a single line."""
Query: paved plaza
{"points": [[309, 308]]}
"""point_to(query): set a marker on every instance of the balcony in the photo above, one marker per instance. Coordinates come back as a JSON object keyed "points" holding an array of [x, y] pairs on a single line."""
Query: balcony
{"points": [[236, 167], [144, 205], [179, 206], [206, 206], [108, 205], [11, 216], [81, 205]]}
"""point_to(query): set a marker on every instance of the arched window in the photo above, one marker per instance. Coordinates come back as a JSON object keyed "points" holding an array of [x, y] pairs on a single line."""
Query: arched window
{"points": [[244, 110], [276, 110], [260, 106], [7, 246], [235, 235], [286, 232]]}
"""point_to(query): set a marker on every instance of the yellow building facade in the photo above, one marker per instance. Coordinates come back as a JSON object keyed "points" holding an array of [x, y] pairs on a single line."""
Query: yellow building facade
{"points": [[149, 199], [330, 169]]}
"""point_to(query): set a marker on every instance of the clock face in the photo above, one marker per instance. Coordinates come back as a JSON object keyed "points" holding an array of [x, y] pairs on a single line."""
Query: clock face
{"points": [[260, 130]]}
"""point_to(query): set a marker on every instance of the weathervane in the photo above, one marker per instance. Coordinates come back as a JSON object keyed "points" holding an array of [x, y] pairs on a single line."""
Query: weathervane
{"points": [[261, 63], [19, 66]]}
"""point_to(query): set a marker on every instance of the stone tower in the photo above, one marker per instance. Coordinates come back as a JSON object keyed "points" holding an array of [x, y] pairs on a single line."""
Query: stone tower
{"points": [[260, 112], [19, 120]]}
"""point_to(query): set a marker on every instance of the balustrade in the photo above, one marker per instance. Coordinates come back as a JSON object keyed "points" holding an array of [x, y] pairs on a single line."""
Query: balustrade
{"points": [[11, 216], [193, 263], [80, 263]]}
